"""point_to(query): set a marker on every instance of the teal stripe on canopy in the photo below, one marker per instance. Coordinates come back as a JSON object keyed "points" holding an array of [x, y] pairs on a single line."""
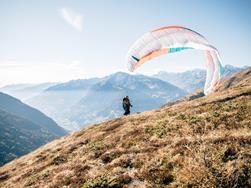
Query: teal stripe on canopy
{"points": [[172, 50]]}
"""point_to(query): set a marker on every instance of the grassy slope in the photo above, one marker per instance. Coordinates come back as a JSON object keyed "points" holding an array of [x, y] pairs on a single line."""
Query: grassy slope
{"points": [[204, 142]]}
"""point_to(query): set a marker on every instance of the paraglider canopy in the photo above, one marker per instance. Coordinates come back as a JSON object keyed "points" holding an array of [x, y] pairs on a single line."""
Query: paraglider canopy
{"points": [[172, 39]]}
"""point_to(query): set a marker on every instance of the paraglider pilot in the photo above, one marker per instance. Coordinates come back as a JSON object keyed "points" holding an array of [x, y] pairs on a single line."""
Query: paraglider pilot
{"points": [[126, 105]]}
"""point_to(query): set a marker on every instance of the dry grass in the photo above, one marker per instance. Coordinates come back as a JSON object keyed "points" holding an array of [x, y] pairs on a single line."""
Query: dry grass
{"points": [[204, 142]]}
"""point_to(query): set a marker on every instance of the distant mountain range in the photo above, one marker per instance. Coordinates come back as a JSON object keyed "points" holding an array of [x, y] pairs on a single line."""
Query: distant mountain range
{"points": [[194, 79], [81, 102], [77, 103], [23, 128], [26, 91], [79, 84]]}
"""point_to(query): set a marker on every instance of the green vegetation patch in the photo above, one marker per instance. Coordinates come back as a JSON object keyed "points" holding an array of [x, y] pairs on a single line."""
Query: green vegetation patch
{"points": [[97, 148], [106, 181], [37, 177], [159, 130], [190, 119], [32, 180]]}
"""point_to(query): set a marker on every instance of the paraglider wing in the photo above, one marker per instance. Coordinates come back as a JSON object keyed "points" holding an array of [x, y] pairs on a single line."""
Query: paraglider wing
{"points": [[174, 39]]}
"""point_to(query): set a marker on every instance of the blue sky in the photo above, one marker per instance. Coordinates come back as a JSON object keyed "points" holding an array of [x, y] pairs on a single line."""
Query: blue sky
{"points": [[60, 40]]}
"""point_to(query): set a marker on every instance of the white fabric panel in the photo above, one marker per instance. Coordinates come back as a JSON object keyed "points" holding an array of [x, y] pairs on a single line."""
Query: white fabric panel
{"points": [[178, 38]]}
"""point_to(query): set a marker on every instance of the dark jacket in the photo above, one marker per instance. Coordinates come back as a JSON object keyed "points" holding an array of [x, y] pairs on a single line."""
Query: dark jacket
{"points": [[126, 105]]}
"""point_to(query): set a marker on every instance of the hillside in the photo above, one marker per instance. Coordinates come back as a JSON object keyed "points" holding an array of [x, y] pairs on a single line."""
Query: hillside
{"points": [[18, 108], [19, 136], [205, 142], [23, 128]]}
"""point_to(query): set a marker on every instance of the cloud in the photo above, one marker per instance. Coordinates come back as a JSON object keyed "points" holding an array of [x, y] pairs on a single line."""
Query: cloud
{"points": [[72, 18]]}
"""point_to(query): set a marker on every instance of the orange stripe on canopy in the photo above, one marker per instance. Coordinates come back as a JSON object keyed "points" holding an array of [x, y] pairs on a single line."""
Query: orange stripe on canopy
{"points": [[168, 27], [148, 57]]}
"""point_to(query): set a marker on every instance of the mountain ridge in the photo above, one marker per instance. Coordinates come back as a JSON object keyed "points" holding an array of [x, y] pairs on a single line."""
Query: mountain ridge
{"points": [[23, 128], [15, 106], [20, 136], [194, 79]]}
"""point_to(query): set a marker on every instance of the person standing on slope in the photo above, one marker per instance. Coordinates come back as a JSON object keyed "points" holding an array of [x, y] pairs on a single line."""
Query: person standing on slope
{"points": [[126, 105]]}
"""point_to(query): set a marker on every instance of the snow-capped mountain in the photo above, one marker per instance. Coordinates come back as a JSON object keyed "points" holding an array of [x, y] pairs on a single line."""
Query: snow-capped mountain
{"points": [[194, 79]]}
